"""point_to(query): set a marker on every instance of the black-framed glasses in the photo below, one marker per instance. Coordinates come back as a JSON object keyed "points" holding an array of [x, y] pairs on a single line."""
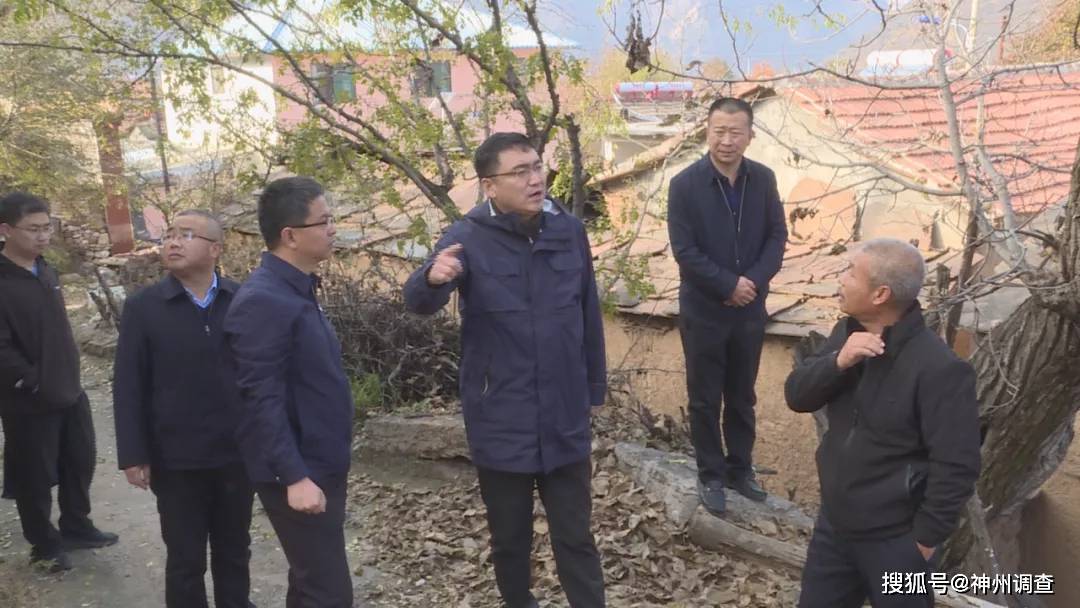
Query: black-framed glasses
{"points": [[327, 222], [522, 173], [186, 235]]}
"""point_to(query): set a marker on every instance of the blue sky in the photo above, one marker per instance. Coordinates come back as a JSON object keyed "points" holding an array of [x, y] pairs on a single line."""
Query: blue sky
{"points": [[693, 29]]}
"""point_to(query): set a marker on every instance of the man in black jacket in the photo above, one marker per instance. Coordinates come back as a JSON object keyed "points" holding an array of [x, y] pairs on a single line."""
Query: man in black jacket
{"points": [[46, 413], [901, 454], [728, 232], [175, 425]]}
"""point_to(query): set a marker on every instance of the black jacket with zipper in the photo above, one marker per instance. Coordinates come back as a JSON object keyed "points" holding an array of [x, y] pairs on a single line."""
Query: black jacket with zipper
{"points": [[902, 450], [37, 349], [171, 395]]}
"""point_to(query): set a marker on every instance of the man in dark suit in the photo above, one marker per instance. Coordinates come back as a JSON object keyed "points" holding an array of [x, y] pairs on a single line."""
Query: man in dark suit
{"points": [[296, 405], [728, 232], [175, 427]]}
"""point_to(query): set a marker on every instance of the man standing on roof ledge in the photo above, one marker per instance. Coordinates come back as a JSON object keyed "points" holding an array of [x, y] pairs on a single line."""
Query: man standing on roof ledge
{"points": [[728, 232]]}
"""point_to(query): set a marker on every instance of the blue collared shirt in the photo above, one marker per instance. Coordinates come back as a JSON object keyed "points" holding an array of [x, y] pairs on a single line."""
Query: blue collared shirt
{"points": [[207, 300]]}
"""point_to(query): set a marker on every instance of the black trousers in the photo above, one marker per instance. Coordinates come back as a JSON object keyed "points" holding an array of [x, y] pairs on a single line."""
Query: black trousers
{"points": [[721, 371], [314, 545], [567, 497], [47, 449], [844, 573], [196, 507]]}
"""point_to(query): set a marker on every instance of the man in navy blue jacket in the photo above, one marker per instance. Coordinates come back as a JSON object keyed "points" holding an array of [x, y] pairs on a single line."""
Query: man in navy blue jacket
{"points": [[295, 428], [175, 429], [727, 229], [532, 364]]}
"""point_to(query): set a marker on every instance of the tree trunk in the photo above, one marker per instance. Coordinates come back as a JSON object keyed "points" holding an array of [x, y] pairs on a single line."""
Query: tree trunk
{"points": [[1029, 389], [573, 133]]}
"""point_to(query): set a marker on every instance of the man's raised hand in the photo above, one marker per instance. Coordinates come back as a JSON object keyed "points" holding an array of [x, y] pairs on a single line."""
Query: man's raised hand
{"points": [[447, 265], [860, 345]]}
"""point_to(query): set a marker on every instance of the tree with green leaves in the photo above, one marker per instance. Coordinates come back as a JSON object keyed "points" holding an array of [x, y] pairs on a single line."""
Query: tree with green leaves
{"points": [[49, 101], [379, 46]]}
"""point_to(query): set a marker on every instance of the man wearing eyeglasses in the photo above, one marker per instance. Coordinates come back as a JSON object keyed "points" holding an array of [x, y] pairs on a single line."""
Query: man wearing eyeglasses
{"points": [[532, 364], [46, 413], [296, 407], [175, 429]]}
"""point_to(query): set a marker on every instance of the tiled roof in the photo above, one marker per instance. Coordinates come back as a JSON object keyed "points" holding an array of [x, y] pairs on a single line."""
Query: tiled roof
{"points": [[1032, 128]]}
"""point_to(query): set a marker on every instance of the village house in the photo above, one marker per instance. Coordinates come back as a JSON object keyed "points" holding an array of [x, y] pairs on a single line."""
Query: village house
{"points": [[247, 108], [833, 147]]}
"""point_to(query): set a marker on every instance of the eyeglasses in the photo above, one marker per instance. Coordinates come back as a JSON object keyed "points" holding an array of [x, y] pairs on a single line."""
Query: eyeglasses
{"points": [[186, 235], [327, 222], [36, 230], [523, 173]]}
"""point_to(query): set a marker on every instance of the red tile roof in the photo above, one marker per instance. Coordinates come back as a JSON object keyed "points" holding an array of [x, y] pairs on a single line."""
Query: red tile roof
{"points": [[1032, 128]]}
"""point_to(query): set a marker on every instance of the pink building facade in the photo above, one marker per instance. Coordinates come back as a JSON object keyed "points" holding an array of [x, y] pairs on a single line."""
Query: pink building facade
{"points": [[454, 77]]}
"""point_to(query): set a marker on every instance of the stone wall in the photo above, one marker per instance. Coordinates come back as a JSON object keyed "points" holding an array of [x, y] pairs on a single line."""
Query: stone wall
{"points": [[86, 241]]}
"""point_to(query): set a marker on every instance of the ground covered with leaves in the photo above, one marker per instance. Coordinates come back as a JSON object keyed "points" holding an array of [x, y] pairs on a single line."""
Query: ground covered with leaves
{"points": [[433, 542]]}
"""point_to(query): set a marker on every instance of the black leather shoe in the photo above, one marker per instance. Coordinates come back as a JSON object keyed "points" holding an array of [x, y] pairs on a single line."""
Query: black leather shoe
{"points": [[52, 562], [91, 539], [748, 487], [712, 497]]}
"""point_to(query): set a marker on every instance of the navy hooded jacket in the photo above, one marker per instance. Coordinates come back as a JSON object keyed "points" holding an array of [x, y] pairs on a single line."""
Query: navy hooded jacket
{"points": [[532, 337]]}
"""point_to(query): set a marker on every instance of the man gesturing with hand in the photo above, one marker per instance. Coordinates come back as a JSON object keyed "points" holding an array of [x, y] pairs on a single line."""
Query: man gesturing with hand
{"points": [[532, 364], [901, 455]]}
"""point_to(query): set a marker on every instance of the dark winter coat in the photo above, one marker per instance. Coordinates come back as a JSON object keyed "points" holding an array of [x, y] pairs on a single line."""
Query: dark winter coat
{"points": [[39, 361], [170, 394], [902, 450], [532, 337]]}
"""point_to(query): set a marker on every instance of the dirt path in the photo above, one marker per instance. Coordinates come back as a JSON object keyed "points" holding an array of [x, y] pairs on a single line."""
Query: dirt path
{"points": [[131, 574]]}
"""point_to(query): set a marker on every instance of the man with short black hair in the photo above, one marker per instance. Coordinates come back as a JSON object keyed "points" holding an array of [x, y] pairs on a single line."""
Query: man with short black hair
{"points": [[295, 428], [175, 425], [45, 410], [901, 455], [532, 364], [728, 232]]}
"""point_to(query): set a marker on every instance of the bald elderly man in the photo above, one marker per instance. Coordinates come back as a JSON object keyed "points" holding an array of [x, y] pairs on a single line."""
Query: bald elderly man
{"points": [[901, 455]]}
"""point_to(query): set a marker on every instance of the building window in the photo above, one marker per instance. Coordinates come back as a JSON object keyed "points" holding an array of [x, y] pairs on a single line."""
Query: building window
{"points": [[335, 84], [433, 78]]}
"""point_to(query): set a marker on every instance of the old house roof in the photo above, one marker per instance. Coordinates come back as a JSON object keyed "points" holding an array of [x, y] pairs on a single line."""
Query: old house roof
{"points": [[1032, 126]]}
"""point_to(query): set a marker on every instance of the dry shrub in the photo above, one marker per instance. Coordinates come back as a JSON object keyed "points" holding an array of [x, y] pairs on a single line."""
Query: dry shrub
{"points": [[395, 359]]}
